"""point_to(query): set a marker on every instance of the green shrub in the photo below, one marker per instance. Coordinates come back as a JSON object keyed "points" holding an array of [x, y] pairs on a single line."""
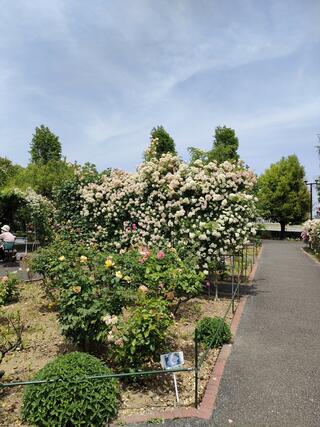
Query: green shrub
{"points": [[9, 291], [140, 335], [71, 401], [213, 332]]}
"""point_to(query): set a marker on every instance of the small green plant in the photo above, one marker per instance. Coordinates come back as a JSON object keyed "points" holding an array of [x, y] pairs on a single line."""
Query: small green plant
{"points": [[71, 401], [213, 332], [9, 290]]}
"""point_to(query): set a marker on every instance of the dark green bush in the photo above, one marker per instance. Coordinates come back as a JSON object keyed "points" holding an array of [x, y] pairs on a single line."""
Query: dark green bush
{"points": [[71, 402], [213, 332]]}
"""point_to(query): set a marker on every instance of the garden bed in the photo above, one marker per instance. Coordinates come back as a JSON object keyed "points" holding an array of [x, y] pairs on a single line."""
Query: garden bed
{"points": [[42, 342]]}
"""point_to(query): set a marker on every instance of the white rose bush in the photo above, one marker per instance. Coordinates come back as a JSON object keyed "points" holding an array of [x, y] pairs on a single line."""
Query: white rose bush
{"points": [[311, 234], [207, 207]]}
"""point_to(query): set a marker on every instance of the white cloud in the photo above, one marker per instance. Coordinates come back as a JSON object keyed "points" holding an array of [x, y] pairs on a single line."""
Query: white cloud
{"points": [[104, 73]]}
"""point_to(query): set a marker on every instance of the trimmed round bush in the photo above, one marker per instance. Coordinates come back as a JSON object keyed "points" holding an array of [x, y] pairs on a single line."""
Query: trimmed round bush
{"points": [[72, 401], [213, 332]]}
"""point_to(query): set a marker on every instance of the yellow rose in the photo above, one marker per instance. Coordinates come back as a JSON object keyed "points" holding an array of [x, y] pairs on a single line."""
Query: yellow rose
{"points": [[76, 289], [119, 275], [143, 289], [62, 258], [108, 263], [83, 258]]}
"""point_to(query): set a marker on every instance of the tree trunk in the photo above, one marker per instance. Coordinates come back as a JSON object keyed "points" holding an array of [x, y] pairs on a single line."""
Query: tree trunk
{"points": [[283, 229]]}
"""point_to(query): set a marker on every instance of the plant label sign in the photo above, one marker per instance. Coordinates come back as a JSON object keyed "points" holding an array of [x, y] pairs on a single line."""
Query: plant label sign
{"points": [[172, 360]]}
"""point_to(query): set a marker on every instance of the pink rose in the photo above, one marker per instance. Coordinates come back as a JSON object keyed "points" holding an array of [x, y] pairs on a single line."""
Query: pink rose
{"points": [[160, 255], [145, 253], [119, 342], [134, 227], [143, 289]]}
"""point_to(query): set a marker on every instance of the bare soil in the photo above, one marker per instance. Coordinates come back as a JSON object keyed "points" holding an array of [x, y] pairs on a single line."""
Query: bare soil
{"points": [[42, 342]]}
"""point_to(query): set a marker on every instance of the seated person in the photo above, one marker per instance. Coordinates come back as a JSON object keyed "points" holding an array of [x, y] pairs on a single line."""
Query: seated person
{"points": [[5, 237]]}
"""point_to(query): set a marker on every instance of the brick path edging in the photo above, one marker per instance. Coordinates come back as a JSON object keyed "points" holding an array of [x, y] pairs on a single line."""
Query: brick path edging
{"points": [[207, 405]]}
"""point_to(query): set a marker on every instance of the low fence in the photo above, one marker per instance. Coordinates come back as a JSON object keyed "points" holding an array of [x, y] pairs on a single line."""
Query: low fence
{"points": [[238, 268]]}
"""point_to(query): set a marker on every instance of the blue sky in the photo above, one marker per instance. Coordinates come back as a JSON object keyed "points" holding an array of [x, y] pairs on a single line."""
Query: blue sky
{"points": [[102, 73]]}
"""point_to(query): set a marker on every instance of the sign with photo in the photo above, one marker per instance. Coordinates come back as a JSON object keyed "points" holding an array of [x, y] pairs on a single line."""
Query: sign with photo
{"points": [[172, 360]]}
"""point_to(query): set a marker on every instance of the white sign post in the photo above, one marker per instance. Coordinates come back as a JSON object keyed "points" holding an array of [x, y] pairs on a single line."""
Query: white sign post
{"points": [[171, 361]]}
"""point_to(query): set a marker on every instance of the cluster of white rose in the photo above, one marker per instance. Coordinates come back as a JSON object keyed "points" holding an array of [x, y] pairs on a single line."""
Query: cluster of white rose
{"points": [[207, 207], [36, 203], [311, 233]]}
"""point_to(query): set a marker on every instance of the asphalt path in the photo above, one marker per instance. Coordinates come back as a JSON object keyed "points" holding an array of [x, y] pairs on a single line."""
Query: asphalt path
{"points": [[272, 377]]}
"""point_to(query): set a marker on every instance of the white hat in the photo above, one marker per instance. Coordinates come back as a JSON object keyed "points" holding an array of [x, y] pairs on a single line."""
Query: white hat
{"points": [[5, 228]]}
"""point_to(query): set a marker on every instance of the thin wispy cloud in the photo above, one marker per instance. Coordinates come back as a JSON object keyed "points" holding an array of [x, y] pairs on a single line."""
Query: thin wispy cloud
{"points": [[102, 74]]}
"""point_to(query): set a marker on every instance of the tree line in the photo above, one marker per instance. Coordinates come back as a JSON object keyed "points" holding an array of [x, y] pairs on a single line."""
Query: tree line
{"points": [[281, 189]]}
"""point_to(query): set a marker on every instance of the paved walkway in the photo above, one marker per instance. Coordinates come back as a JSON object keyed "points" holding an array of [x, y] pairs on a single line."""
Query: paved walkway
{"points": [[272, 377]]}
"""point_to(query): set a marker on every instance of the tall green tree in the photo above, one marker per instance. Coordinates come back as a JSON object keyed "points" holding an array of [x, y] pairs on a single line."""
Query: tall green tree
{"points": [[45, 146], [160, 143], [224, 147], [282, 193]]}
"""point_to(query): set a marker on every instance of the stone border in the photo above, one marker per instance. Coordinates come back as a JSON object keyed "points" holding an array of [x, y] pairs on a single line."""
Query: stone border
{"points": [[207, 404]]}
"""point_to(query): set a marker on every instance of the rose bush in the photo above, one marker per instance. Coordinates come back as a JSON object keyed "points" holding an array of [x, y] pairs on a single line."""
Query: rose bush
{"points": [[83, 288], [70, 224], [139, 335], [161, 272], [53, 263], [207, 206], [311, 234], [89, 285]]}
